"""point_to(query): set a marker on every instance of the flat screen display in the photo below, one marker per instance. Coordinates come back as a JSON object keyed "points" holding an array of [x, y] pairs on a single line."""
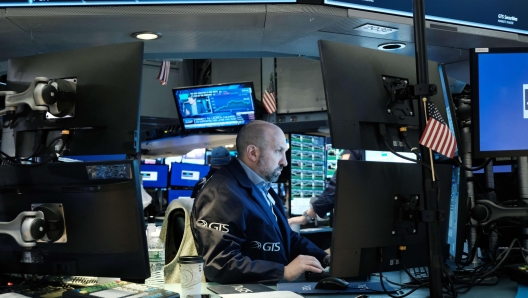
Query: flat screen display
{"points": [[36, 3], [499, 87], [186, 174], [308, 170], [155, 175], [489, 14], [215, 106]]}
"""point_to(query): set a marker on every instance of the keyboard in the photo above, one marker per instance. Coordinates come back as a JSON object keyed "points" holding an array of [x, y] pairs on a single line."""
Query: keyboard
{"points": [[81, 281], [420, 273]]}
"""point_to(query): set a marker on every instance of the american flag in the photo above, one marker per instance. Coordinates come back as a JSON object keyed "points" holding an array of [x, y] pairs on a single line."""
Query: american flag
{"points": [[163, 74], [268, 99], [437, 135]]}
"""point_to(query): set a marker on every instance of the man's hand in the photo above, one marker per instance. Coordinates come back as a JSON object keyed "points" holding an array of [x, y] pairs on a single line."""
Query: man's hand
{"points": [[301, 264], [297, 220]]}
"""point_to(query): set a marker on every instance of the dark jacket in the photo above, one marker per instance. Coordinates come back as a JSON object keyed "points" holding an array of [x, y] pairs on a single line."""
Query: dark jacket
{"points": [[198, 186], [238, 235]]}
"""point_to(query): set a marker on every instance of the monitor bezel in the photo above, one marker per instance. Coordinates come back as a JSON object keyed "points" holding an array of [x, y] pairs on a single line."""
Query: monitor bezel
{"points": [[180, 118], [474, 55]]}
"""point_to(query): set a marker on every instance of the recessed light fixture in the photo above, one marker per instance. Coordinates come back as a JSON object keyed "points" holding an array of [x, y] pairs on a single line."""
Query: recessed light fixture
{"points": [[146, 35], [376, 29], [391, 46]]}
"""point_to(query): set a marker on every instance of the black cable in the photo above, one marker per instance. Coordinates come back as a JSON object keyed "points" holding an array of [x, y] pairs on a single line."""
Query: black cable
{"points": [[400, 255], [383, 284], [409, 159], [460, 164], [35, 164]]}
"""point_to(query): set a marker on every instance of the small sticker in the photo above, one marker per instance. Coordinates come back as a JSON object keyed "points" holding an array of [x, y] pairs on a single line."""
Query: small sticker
{"points": [[481, 50]]}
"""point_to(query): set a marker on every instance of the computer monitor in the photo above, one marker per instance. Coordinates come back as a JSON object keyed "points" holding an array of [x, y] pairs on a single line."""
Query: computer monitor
{"points": [[366, 216], [355, 81], [499, 101], [106, 114], [307, 170], [387, 156], [155, 176], [186, 174], [175, 194], [333, 155], [215, 106], [103, 219]]}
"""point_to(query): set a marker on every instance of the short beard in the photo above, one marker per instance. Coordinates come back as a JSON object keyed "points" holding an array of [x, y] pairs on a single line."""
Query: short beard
{"points": [[271, 176]]}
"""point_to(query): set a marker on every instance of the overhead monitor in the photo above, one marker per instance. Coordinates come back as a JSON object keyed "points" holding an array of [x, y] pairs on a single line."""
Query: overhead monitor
{"points": [[308, 170], [186, 174], [155, 176], [216, 107], [95, 215], [496, 15], [41, 3], [499, 101], [360, 102]]}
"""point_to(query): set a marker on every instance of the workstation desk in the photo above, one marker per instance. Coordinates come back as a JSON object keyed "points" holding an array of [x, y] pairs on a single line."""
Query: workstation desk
{"points": [[505, 289]]}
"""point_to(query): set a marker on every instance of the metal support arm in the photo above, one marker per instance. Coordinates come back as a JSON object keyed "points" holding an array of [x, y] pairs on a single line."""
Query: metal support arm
{"points": [[486, 211], [26, 228]]}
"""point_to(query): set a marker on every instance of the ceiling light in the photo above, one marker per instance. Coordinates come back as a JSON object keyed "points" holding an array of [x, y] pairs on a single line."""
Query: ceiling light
{"points": [[376, 29], [391, 46], [146, 35]]}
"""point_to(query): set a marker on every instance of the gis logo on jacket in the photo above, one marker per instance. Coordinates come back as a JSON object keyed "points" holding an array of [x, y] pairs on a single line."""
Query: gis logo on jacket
{"points": [[214, 225], [266, 246]]}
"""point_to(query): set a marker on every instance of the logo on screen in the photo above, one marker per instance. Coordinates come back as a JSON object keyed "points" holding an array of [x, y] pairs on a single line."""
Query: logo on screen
{"points": [[190, 175]]}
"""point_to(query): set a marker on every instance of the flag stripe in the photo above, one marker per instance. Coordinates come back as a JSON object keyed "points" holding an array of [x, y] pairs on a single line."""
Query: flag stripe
{"points": [[438, 137]]}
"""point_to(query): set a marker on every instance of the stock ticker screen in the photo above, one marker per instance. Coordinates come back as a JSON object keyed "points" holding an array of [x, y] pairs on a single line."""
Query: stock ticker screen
{"points": [[215, 106], [36, 3]]}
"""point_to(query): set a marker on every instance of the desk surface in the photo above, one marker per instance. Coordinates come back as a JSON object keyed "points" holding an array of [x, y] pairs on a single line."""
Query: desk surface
{"points": [[505, 289]]}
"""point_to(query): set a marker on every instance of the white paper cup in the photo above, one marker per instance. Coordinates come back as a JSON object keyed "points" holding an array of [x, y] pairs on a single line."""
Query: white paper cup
{"points": [[191, 270], [295, 227]]}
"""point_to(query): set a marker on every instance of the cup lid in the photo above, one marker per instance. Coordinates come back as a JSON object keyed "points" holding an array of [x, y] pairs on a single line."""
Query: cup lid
{"points": [[190, 259]]}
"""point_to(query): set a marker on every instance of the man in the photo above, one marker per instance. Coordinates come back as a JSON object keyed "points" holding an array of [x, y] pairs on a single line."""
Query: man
{"points": [[325, 202], [239, 224], [191, 107], [219, 157]]}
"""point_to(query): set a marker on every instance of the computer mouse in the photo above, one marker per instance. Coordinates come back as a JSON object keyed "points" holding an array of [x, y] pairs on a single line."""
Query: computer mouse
{"points": [[331, 283]]}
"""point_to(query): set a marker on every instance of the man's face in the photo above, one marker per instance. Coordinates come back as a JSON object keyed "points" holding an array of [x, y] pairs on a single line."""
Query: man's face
{"points": [[272, 158], [191, 100]]}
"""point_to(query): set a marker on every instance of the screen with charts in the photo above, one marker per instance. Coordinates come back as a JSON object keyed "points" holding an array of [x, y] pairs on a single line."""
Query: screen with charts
{"points": [[308, 170], [332, 156], [502, 15], [215, 106]]}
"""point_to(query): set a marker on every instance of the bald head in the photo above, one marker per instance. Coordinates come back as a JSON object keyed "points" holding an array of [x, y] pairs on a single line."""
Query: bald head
{"points": [[262, 146], [257, 133]]}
